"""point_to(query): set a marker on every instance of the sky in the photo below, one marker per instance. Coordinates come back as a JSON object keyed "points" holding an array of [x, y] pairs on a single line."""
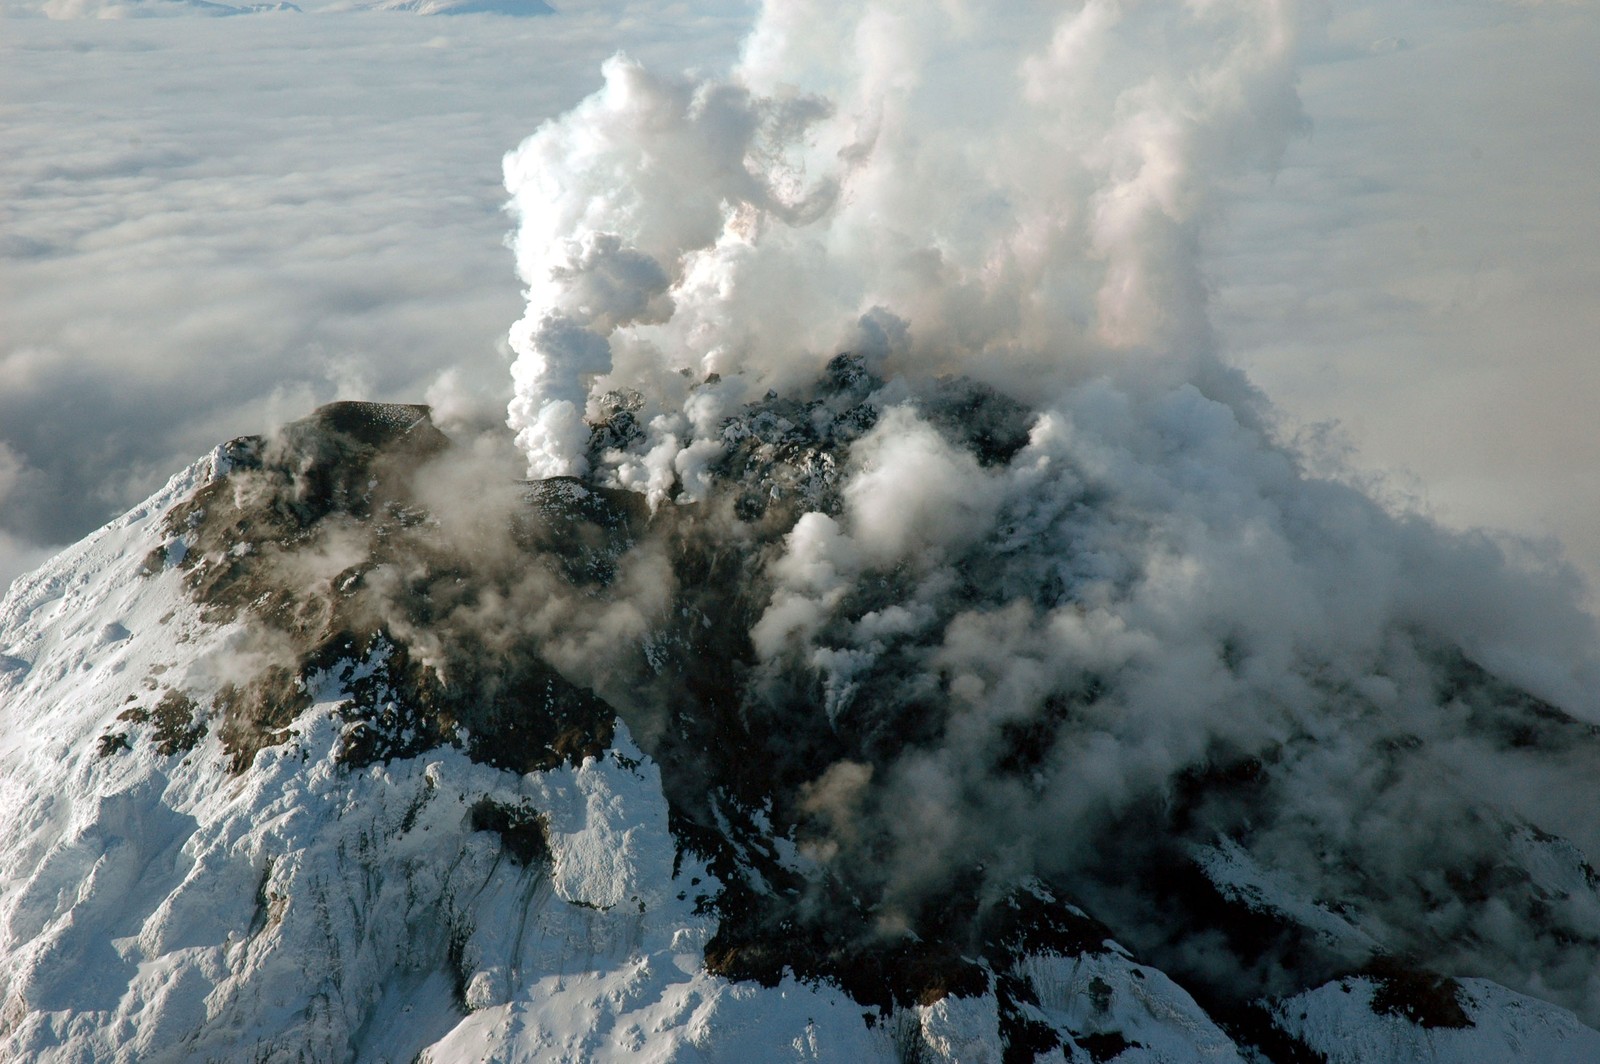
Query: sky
{"points": [[210, 225]]}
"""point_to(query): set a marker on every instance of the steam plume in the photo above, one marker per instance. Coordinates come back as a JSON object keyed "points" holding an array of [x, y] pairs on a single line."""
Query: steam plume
{"points": [[1010, 193], [1146, 585]]}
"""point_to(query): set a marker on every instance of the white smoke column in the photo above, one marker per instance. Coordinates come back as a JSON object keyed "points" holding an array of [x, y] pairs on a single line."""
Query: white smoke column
{"points": [[1022, 185], [613, 198]]}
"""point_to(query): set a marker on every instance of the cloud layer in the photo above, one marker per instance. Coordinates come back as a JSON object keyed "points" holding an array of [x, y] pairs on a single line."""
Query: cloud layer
{"points": [[1412, 272], [200, 240]]}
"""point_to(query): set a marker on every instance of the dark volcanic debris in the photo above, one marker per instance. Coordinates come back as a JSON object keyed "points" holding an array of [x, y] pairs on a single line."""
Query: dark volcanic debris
{"points": [[176, 725], [523, 832], [1424, 998]]}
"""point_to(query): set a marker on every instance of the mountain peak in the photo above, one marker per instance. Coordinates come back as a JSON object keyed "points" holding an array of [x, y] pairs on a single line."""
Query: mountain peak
{"points": [[800, 753]]}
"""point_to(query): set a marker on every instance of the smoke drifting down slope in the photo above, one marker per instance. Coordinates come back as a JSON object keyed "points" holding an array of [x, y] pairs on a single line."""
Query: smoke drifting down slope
{"points": [[1031, 569]]}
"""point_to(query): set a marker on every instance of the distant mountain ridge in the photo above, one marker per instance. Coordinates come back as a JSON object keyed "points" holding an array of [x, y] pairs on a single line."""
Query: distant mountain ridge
{"points": [[65, 9]]}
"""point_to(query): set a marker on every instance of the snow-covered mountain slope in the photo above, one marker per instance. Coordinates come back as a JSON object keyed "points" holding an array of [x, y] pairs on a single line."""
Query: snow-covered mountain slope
{"points": [[158, 906], [336, 750]]}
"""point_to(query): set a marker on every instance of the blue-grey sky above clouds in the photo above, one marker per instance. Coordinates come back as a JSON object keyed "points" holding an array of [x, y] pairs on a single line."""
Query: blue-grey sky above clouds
{"points": [[208, 225]]}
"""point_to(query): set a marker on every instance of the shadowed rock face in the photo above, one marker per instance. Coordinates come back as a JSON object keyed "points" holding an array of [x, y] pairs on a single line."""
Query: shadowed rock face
{"points": [[319, 539]]}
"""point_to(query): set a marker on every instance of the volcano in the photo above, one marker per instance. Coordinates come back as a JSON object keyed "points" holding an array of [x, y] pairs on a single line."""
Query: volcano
{"points": [[890, 630], [313, 757]]}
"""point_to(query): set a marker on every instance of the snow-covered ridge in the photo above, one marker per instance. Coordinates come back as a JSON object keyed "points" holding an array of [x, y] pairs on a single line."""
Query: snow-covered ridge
{"points": [[156, 906]]}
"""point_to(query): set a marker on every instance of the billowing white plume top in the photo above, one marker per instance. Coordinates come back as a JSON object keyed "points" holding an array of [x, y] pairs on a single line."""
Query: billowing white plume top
{"points": [[1011, 191]]}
